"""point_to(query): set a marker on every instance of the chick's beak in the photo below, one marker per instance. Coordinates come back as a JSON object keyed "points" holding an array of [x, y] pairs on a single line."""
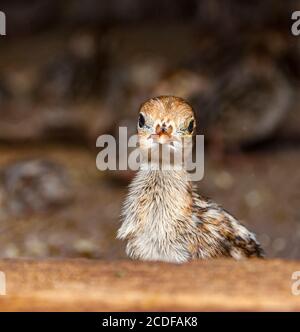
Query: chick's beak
{"points": [[163, 134]]}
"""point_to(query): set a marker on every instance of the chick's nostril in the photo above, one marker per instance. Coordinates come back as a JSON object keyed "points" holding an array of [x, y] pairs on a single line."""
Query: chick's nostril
{"points": [[158, 129], [169, 130]]}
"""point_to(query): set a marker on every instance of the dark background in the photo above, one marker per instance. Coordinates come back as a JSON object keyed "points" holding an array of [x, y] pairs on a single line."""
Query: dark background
{"points": [[73, 70]]}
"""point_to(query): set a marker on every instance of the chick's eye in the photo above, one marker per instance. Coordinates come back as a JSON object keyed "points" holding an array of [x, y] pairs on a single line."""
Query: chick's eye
{"points": [[190, 127], [141, 121]]}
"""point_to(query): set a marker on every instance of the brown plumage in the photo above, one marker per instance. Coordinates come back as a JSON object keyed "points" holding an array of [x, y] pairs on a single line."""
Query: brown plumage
{"points": [[164, 218]]}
